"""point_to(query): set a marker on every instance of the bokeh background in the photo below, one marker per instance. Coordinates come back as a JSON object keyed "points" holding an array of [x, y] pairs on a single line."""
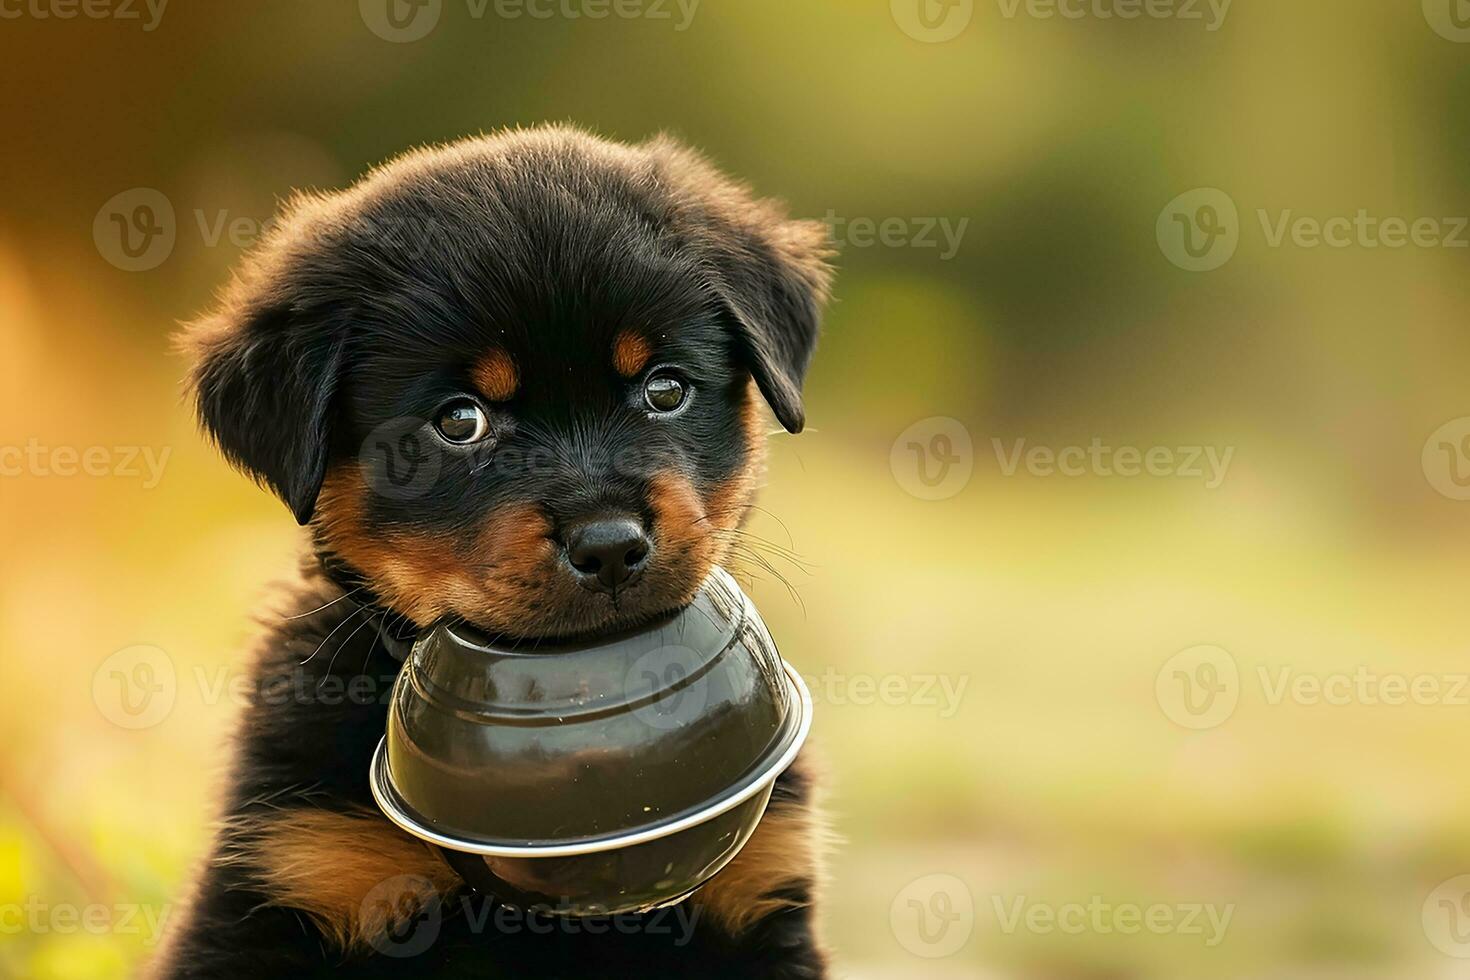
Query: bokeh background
{"points": [[1040, 690]]}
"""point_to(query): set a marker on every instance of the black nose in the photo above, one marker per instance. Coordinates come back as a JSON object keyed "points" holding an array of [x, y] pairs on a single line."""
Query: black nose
{"points": [[607, 553]]}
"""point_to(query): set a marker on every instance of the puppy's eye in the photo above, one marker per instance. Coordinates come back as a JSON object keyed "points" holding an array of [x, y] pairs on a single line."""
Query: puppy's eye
{"points": [[664, 393], [462, 422]]}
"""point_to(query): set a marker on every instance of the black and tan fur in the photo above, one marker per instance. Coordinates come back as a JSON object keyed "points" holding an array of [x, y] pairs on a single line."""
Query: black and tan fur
{"points": [[543, 275]]}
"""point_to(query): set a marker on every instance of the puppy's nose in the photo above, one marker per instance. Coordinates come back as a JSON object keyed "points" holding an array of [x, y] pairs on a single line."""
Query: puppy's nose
{"points": [[607, 553]]}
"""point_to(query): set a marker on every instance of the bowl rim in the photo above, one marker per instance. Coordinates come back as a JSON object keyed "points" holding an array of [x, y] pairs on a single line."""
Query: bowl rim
{"points": [[397, 811], [467, 636]]}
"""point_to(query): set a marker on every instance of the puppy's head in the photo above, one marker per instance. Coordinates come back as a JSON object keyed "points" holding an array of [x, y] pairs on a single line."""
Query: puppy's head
{"points": [[517, 380]]}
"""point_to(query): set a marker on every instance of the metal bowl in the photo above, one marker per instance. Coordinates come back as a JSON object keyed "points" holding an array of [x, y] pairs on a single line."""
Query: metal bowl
{"points": [[593, 778]]}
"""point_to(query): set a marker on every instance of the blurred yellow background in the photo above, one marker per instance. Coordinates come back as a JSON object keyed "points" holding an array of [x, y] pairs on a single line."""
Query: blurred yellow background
{"points": [[1080, 725]]}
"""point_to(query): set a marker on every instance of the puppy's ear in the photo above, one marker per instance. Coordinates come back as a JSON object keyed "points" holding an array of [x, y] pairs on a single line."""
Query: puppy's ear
{"points": [[773, 283], [770, 273], [263, 384]]}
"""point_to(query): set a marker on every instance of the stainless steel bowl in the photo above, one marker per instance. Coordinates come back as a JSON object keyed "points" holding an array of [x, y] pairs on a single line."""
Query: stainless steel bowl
{"points": [[594, 778]]}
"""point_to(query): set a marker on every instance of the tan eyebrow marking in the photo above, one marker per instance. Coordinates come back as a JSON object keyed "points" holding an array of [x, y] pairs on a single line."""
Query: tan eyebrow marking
{"points": [[630, 353], [496, 375]]}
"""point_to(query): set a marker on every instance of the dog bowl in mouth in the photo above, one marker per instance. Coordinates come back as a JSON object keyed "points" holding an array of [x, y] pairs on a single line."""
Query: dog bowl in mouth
{"points": [[596, 777]]}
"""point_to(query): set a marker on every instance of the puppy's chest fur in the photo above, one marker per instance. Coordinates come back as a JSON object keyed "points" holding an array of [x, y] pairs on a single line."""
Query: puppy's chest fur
{"points": [[307, 877]]}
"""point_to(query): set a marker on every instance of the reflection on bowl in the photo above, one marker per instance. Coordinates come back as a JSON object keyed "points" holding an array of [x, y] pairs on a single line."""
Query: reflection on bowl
{"points": [[601, 777]]}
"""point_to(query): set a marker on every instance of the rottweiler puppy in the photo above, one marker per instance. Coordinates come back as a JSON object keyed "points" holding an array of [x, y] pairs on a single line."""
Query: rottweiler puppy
{"points": [[515, 381]]}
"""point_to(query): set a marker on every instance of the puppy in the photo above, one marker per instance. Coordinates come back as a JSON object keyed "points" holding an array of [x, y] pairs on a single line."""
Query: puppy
{"points": [[515, 381]]}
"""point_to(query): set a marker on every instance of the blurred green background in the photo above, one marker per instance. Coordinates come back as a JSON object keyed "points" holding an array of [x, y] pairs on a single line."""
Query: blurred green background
{"points": [[1069, 764]]}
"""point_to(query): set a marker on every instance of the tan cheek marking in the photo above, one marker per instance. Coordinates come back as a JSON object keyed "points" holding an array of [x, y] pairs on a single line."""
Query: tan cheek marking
{"points": [[696, 530], [684, 547], [499, 577], [496, 376], [328, 865], [420, 575], [630, 353], [731, 499], [519, 562], [679, 514]]}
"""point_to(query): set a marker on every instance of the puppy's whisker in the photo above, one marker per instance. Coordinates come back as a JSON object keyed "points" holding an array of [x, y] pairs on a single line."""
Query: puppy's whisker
{"points": [[757, 558], [797, 563], [755, 546], [313, 612], [743, 554], [340, 647], [759, 543], [789, 539], [366, 658], [747, 532], [345, 620]]}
